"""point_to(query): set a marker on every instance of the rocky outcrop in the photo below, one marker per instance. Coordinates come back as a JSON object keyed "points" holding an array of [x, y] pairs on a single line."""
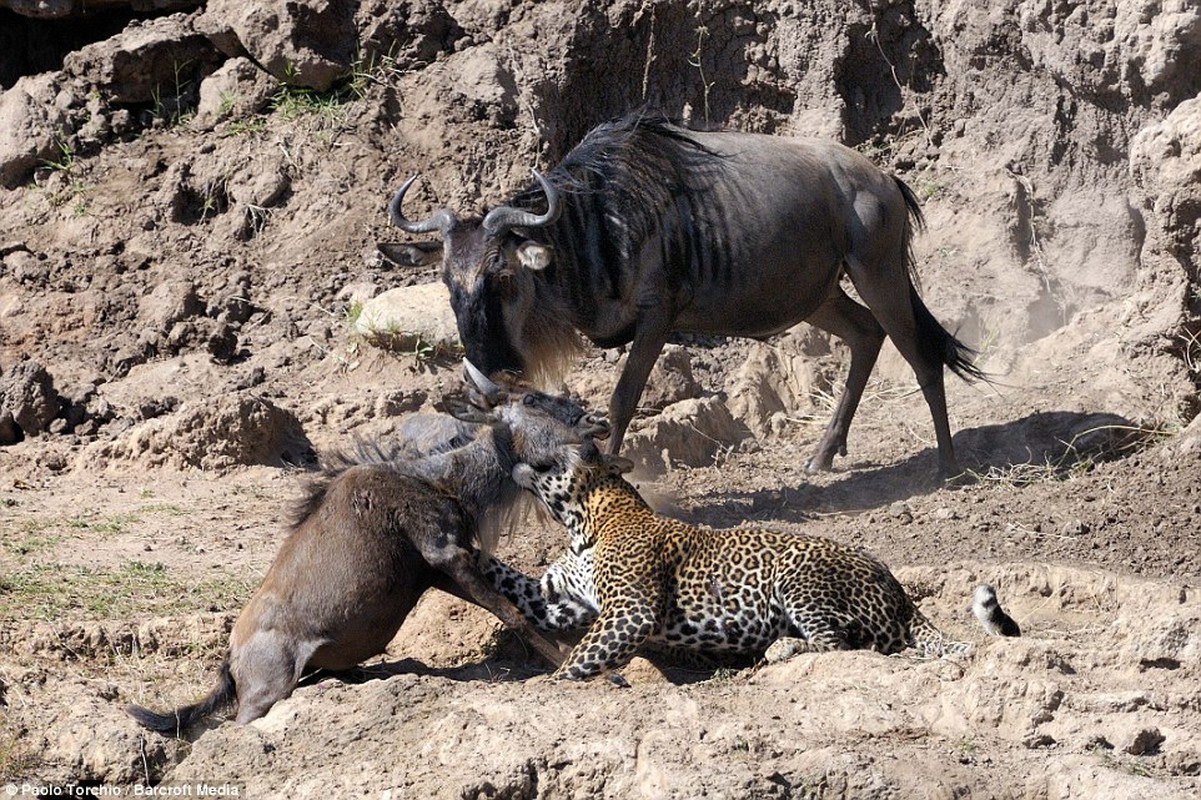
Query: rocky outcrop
{"points": [[64, 9], [215, 434], [28, 401], [310, 43], [31, 123]]}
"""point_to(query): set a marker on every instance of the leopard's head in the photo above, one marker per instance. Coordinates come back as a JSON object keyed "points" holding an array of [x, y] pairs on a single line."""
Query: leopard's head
{"points": [[563, 478]]}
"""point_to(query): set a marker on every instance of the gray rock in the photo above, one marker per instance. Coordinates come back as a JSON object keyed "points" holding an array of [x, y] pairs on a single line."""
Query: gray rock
{"points": [[159, 61], [300, 42], [10, 432], [670, 380], [31, 126], [407, 317], [236, 90], [27, 394], [170, 302], [213, 434], [691, 432]]}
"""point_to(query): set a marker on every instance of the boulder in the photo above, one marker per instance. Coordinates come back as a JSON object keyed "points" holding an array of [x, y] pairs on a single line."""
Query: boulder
{"points": [[670, 380], [31, 127], [27, 396], [158, 61], [216, 434], [691, 432], [409, 317], [308, 43], [238, 89]]}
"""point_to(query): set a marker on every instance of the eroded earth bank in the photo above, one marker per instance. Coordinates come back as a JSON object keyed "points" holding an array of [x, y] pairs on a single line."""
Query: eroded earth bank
{"points": [[188, 223]]}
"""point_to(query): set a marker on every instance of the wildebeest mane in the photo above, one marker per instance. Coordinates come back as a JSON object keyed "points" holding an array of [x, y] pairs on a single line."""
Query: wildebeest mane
{"points": [[628, 180], [475, 475], [625, 164], [333, 464]]}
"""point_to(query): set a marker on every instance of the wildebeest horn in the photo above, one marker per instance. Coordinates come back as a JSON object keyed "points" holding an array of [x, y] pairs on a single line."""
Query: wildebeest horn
{"points": [[481, 382], [441, 221], [502, 218]]}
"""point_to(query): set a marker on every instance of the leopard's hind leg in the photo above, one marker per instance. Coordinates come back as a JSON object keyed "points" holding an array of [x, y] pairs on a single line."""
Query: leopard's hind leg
{"points": [[821, 639], [818, 632]]}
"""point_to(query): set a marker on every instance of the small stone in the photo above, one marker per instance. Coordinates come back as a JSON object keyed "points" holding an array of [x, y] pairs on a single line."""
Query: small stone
{"points": [[901, 512], [1146, 742]]}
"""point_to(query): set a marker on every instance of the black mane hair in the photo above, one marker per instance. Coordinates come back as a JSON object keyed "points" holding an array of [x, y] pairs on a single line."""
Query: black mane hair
{"points": [[639, 176], [639, 138]]}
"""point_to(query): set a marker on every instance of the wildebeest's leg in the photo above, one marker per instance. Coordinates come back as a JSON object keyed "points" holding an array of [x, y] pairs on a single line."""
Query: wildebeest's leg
{"points": [[650, 334], [886, 289], [880, 274], [461, 566], [855, 325]]}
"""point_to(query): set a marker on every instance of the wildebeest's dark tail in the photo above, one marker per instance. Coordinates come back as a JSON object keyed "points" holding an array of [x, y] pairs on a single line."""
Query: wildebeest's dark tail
{"points": [[940, 345], [175, 723], [937, 342]]}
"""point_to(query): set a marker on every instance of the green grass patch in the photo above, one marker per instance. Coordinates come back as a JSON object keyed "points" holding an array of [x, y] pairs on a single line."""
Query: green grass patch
{"points": [[351, 314], [31, 541], [51, 592], [244, 127]]}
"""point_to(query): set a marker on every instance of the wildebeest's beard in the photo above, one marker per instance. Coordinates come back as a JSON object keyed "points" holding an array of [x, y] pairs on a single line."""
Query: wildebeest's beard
{"points": [[481, 323]]}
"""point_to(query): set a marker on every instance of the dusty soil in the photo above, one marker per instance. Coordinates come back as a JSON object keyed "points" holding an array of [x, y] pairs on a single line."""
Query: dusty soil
{"points": [[176, 306]]}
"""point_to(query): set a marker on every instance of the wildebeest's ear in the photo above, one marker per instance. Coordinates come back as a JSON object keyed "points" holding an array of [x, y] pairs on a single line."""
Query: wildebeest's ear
{"points": [[593, 425], [415, 254], [465, 411], [534, 256], [618, 465]]}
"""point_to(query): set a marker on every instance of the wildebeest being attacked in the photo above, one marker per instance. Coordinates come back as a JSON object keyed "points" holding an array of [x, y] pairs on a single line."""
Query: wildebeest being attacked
{"points": [[647, 228], [371, 537]]}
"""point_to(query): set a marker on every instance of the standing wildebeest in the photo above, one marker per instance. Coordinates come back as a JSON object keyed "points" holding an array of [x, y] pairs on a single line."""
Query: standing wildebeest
{"points": [[651, 228], [371, 537]]}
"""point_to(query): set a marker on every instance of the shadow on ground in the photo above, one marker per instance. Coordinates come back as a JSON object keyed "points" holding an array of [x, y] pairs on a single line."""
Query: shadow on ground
{"points": [[1049, 444]]}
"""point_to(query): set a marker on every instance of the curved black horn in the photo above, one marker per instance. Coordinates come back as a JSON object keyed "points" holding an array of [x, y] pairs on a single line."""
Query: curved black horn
{"points": [[502, 218], [441, 221], [481, 382]]}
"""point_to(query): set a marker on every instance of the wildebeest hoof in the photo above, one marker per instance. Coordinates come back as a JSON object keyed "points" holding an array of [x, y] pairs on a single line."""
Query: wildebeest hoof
{"points": [[818, 464], [617, 680]]}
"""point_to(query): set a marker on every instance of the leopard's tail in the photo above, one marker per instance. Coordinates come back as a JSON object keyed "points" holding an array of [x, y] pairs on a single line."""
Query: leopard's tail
{"points": [[930, 640]]}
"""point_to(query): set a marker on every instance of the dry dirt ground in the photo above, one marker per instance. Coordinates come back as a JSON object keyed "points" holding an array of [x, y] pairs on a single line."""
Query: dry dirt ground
{"points": [[177, 299]]}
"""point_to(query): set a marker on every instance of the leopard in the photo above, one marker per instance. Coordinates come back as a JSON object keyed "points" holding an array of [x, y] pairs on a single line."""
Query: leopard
{"points": [[636, 578]]}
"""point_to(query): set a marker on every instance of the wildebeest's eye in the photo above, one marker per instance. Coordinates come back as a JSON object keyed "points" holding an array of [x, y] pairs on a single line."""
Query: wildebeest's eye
{"points": [[501, 282]]}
